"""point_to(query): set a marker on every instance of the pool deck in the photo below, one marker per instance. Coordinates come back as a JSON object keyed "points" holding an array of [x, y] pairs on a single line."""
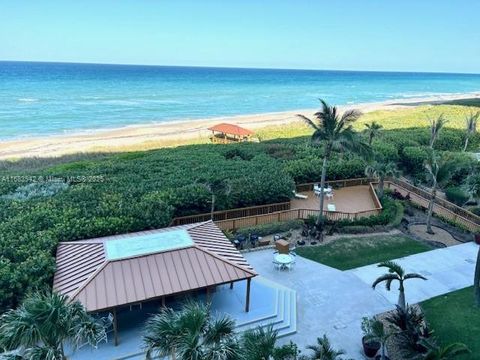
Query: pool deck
{"points": [[352, 199]]}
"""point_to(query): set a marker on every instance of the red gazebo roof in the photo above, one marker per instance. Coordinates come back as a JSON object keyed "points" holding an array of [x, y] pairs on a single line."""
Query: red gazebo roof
{"points": [[231, 129]]}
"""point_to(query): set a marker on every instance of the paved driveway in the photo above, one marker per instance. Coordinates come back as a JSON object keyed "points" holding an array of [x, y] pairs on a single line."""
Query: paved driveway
{"points": [[333, 302]]}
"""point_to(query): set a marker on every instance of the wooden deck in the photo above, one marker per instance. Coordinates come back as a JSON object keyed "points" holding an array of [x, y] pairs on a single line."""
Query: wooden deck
{"points": [[352, 199]]}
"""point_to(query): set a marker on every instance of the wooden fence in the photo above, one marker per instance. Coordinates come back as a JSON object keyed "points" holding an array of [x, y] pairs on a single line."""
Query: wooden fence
{"points": [[232, 214], [441, 207], [265, 214], [334, 183], [292, 214]]}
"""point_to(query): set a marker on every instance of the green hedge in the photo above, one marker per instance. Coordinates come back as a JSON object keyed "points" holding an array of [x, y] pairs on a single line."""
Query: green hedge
{"points": [[273, 228], [456, 195]]}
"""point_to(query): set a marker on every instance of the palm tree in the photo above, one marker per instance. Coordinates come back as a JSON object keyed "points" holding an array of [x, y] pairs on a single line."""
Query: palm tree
{"points": [[435, 126], [190, 334], [435, 352], [396, 273], [377, 332], [439, 172], [380, 169], [323, 350], [259, 343], [336, 133], [476, 280], [217, 188], [44, 323], [373, 130], [471, 127]]}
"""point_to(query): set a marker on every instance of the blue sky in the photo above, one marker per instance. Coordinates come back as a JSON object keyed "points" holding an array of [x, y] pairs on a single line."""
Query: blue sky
{"points": [[407, 35]]}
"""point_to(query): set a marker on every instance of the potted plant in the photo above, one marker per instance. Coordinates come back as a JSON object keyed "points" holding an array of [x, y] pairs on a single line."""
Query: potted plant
{"points": [[370, 344], [375, 331], [477, 238]]}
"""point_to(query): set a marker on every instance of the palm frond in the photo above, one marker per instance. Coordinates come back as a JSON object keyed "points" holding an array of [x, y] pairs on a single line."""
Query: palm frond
{"points": [[386, 277], [392, 267], [414, 276]]}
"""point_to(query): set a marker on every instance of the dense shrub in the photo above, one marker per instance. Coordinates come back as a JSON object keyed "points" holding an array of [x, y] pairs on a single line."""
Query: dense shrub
{"points": [[456, 195], [273, 228], [413, 158], [390, 215]]}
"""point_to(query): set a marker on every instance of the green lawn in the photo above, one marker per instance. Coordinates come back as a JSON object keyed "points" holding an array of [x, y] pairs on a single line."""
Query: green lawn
{"points": [[454, 318], [350, 253]]}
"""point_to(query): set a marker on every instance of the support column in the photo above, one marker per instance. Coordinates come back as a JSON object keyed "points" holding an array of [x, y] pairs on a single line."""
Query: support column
{"points": [[163, 301], [115, 327], [208, 295], [247, 300], [231, 285]]}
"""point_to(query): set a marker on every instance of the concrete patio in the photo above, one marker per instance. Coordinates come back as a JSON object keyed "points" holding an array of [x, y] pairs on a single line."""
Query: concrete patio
{"points": [[333, 302]]}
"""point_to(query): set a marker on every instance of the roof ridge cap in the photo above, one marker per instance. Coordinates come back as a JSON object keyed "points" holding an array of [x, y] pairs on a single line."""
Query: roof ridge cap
{"points": [[89, 279]]}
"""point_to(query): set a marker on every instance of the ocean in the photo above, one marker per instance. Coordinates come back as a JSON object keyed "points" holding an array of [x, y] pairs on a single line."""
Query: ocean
{"points": [[38, 99]]}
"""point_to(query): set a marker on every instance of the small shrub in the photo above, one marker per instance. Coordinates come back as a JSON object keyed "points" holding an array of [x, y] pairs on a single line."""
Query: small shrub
{"points": [[475, 210], [456, 195], [34, 190]]}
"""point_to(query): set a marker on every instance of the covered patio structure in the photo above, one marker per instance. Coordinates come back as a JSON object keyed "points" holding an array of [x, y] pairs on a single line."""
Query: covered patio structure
{"points": [[225, 133], [105, 274]]}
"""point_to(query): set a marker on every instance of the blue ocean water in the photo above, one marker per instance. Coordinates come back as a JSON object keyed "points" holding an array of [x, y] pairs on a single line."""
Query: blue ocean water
{"points": [[54, 98]]}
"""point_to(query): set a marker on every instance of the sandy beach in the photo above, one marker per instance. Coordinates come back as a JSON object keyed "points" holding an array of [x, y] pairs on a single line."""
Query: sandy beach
{"points": [[171, 133]]}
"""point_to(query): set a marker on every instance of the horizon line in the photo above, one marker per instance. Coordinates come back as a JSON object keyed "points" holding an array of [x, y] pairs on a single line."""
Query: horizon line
{"points": [[239, 67]]}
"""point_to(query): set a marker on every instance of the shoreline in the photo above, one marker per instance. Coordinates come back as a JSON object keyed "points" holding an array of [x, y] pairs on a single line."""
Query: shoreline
{"points": [[181, 131]]}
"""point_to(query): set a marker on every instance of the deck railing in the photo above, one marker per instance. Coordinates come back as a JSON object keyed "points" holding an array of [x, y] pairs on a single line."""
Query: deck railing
{"points": [[292, 214], [232, 214], [334, 183], [264, 214], [442, 207]]}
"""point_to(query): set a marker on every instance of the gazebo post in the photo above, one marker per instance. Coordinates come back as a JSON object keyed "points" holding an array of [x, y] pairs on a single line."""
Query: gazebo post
{"points": [[231, 285], [247, 302], [115, 326]]}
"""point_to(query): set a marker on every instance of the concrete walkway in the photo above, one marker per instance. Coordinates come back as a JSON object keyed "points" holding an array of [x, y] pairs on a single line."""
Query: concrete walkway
{"points": [[333, 302]]}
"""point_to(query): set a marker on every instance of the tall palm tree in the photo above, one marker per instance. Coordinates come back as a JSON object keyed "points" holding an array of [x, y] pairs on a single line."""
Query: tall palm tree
{"points": [[380, 169], [448, 352], [259, 343], [396, 273], [323, 350], [373, 130], [217, 188], [435, 126], [471, 127], [335, 132], [44, 323], [476, 280], [190, 334], [439, 172]]}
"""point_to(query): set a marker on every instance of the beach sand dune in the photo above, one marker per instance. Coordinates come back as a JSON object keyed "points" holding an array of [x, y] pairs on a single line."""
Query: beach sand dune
{"points": [[178, 132]]}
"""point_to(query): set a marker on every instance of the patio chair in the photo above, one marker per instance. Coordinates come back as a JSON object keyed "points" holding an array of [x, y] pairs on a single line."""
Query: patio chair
{"points": [[277, 265], [253, 240]]}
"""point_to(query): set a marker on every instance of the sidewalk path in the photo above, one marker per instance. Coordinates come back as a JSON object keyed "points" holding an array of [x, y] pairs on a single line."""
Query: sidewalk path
{"points": [[447, 269], [333, 302]]}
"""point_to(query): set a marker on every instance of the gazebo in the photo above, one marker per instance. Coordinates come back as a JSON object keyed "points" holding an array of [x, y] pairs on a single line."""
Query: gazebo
{"points": [[116, 271], [225, 133]]}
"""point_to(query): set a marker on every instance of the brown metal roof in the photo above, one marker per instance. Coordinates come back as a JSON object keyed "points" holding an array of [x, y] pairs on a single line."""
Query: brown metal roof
{"points": [[231, 129], [86, 274]]}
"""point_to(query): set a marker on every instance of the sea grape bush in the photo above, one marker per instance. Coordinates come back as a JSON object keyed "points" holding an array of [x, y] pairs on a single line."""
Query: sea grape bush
{"points": [[126, 192]]}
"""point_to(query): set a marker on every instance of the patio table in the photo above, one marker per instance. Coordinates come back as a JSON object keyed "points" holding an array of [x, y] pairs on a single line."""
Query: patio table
{"points": [[284, 259]]}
